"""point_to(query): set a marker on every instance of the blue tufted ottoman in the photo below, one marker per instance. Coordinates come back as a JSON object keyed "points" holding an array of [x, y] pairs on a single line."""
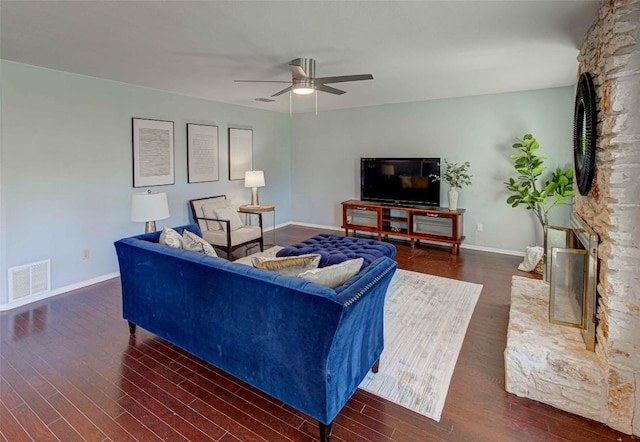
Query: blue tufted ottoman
{"points": [[334, 249]]}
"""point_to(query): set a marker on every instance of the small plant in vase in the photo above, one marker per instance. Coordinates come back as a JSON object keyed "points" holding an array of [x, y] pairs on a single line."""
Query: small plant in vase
{"points": [[456, 176]]}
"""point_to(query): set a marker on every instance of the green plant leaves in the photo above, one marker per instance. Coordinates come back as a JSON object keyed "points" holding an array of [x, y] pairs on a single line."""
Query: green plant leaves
{"points": [[456, 175], [524, 187]]}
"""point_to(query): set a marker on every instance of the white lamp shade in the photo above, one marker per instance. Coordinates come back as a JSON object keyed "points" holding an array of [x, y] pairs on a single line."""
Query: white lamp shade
{"points": [[146, 206], [254, 178], [388, 169]]}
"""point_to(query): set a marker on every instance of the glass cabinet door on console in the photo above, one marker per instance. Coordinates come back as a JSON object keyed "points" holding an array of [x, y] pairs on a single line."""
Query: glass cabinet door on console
{"points": [[361, 217], [416, 223]]}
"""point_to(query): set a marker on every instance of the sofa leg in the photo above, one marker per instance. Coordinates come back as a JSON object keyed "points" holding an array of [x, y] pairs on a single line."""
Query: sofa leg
{"points": [[132, 328], [325, 431], [376, 366]]}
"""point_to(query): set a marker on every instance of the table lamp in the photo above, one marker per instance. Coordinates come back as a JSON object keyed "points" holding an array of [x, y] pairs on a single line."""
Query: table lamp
{"points": [[148, 207], [254, 179]]}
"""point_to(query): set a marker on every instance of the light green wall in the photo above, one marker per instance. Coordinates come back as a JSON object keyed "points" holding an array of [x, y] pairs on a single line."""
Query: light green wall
{"points": [[66, 172], [66, 166], [326, 151]]}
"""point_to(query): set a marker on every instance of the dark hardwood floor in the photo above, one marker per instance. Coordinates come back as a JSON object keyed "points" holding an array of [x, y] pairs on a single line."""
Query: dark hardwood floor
{"points": [[69, 371]]}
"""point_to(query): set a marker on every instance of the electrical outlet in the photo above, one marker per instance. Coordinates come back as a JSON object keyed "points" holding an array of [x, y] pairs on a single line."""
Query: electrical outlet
{"points": [[479, 227], [86, 253]]}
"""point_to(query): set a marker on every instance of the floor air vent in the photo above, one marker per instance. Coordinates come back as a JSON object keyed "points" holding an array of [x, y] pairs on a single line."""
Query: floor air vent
{"points": [[29, 280]]}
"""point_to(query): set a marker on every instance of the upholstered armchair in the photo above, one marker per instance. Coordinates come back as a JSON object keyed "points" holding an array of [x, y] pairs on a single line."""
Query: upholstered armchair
{"points": [[222, 226]]}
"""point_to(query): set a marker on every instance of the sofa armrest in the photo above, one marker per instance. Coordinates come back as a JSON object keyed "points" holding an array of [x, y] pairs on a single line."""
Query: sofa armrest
{"points": [[359, 340]]}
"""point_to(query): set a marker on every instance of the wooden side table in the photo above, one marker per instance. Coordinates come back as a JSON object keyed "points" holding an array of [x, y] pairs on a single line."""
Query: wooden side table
{"points": [[257, 210]]}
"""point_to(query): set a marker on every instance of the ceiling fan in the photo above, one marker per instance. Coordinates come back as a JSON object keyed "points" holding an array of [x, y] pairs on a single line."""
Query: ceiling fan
{"points": [[303, 80]]}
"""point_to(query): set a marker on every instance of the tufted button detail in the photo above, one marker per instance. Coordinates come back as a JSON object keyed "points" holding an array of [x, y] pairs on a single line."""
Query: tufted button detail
{"points": [[335, 249]]}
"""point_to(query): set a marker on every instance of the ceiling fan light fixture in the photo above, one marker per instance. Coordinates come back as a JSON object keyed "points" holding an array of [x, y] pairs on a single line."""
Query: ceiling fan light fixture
{"points": [[304, 82], [303, 87], [303, 90]]}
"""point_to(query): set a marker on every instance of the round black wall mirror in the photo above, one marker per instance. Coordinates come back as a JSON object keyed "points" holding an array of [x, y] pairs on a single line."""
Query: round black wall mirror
{"points": [[584, 133]]}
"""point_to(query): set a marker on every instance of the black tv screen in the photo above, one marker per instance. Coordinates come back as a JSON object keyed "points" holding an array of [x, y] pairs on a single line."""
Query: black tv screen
{"points": [[401, 181]]}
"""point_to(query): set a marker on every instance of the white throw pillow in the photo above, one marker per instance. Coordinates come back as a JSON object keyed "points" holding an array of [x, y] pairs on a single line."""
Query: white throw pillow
{"points": [[170, 238], [229, 213], [192, 242], [209, 211], [335, 275]]}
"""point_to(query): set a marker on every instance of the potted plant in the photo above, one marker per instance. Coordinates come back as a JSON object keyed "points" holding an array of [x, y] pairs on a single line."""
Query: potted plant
{"points": [[527, 188], [456, 176]]}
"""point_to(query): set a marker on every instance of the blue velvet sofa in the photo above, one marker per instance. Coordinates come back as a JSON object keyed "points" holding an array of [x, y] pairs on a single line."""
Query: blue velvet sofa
{"points": [[307, 345]]}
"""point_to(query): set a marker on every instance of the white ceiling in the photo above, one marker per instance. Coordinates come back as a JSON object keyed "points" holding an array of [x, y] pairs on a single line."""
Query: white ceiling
{"points": [[419, 50]]}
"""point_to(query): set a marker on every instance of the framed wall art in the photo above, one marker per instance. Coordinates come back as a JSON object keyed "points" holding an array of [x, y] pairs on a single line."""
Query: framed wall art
{"points": [[240, 152], [153, 153], [202, 153]]}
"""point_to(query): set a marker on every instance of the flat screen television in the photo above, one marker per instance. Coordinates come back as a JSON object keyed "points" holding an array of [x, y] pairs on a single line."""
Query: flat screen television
{"points": [[401, 181]]}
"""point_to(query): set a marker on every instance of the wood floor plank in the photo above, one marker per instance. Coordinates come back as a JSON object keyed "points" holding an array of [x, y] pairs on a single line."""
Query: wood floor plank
{"points": [[80, 422], [253, 418], [70, 371], [173, 398], [45, 412], [208, 406], [32, 424], [80, 394], [10, 428], [65, 431], [147, 417], [136, 428], [10, 398], [160, 404]]}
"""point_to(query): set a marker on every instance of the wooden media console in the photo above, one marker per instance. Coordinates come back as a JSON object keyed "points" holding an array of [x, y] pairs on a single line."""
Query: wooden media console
{"points": [[436, 224]]}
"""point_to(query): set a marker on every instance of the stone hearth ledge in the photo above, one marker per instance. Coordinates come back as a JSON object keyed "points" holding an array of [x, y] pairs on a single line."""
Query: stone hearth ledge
{"points": [[549, 363]]}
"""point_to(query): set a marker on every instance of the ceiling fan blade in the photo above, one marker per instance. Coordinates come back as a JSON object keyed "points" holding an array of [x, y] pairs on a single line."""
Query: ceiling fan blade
{"points": [[331, 90], [287, 89], [343, 78], [262, 81]]}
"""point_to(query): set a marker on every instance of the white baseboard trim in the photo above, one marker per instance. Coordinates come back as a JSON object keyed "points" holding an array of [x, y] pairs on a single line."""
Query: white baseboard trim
{"points": [[491, 250], [316, 226], [277, 226], [58, 291]]}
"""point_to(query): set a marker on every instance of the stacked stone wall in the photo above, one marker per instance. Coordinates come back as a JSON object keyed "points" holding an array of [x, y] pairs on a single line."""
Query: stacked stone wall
{"points": [[611, 54]]}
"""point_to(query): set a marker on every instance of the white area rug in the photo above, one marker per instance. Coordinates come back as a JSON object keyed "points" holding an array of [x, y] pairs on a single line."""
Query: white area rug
{"points": [[425, 321]]}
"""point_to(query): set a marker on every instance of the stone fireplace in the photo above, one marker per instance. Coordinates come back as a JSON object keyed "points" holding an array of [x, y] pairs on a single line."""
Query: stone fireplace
{"points": [[548, 362]]}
